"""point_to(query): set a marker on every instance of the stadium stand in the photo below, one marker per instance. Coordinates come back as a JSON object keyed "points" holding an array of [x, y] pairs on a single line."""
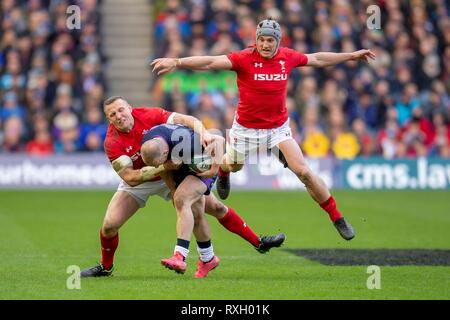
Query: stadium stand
{"points": [[398, 106], [52, 79]]}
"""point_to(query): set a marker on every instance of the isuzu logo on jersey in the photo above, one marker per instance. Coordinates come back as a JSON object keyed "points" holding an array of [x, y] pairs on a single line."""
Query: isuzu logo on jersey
{"points": [[270, 77]]}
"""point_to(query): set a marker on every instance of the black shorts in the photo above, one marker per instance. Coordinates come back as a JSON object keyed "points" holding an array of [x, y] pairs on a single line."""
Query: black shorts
{"points": [[184, 171]]}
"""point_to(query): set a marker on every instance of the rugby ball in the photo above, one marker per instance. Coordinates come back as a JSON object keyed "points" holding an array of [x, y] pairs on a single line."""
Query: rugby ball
{"points": [[200, 163]]}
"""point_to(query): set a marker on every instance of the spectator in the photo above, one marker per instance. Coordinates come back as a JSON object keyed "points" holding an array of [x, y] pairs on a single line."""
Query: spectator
{"points": [[412, 69], [66, 131], [365, 138], [93, 130], [412, 140], [315, 143], [13, 129], [11, 107], [41, 144], [441, 140], [388, 139], [367, 111], [407, 103], [346, 146], [208, 113], [39, 62]]}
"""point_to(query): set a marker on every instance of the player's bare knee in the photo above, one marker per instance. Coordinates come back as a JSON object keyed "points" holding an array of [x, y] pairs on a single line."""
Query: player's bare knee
{"points": [[181, 201], [178, 201], [109, 231], [219, 210], [235, 167], [216, 209]]}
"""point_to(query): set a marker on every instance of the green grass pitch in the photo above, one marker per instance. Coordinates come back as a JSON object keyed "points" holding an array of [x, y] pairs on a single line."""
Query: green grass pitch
{"points": [[44, 232]]}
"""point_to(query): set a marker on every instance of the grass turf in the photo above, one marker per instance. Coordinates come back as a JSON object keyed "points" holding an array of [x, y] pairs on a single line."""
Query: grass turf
{"points": [[44, 232]]}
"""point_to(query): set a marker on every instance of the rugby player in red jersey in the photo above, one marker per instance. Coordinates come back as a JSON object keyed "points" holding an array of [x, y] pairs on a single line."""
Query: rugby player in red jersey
{"points": [[122, 146], [261, 119]]}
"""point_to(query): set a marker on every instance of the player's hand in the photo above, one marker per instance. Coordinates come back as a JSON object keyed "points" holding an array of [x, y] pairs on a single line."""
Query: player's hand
{"points": [[211, 172], [215, 148], [172, 164], [364, 54], [163, 65], [206, 138]]}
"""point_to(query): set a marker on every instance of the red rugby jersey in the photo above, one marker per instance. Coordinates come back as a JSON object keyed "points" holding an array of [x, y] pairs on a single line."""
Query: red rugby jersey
{"points": [[119, 143], [262, 85]]}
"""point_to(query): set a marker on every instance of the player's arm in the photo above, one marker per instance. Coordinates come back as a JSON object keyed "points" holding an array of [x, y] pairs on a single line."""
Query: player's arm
{"points": [[123, 165], [193, 123], [216, 150], [199, 63], [167, 176], [326, 59]]}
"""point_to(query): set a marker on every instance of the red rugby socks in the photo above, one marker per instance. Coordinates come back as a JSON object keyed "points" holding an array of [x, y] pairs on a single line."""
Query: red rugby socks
{"points": [[234, 223], [223, 173], [330, 207], [109, 246]]}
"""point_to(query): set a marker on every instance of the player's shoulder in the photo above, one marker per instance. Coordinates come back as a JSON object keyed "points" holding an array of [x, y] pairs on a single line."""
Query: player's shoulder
{"points": [[113, 140], [112, 135], [246, 52], [290, 54], [111, 132], [154, 115], [286, 51], [143, 110]]}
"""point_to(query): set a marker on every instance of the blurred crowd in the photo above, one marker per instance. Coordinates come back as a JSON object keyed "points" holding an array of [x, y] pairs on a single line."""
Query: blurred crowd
{"points": [[51, 81], [52, 84], [397, 106]]}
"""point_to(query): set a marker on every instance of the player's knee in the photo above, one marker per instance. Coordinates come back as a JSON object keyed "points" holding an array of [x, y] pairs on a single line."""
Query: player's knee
{"points": [[216, 209], [180, 202], [109, 230], [235, 167]]}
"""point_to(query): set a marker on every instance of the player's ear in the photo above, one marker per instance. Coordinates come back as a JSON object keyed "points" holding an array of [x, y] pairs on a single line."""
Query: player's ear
{"points": [[145, 152], [165, 154]]}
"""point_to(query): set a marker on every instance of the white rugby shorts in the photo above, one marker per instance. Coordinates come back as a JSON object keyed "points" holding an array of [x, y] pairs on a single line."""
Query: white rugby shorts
{"points": [[143, 191], [245, 141]]}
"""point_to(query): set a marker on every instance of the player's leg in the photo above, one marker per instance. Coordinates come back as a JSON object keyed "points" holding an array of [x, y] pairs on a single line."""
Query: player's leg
{"points": [[207, 259], [229, 164], [187, 193], [121, 207], [315, 186], [242, 142], [124, 204], [234, 223], [202, 231], [190, 190]]}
